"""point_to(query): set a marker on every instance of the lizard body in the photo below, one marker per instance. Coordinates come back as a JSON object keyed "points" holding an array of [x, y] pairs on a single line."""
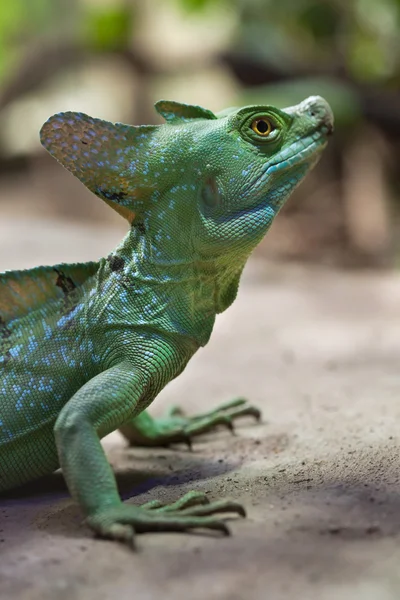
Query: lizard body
{"points": [[85, 348]]}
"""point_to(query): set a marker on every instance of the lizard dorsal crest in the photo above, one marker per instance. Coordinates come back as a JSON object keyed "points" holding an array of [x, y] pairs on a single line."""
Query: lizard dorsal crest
{"points": [[24, 291], [177, 112], [108, 158]]}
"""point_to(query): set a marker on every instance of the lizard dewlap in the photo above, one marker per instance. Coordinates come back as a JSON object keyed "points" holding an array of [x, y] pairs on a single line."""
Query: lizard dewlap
{"points": [[85, 348]]}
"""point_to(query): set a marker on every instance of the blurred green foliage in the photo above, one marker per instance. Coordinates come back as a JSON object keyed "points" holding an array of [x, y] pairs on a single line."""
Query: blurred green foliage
{"points": [[361, 37], [107, 28], [26, 22], [20, 22]]}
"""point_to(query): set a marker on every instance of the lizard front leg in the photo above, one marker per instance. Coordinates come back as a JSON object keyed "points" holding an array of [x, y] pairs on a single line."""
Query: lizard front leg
{"points": [[99, 407], [177, 427]]}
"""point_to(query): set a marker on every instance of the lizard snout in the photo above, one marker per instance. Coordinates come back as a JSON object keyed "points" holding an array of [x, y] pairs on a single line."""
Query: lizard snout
{"points": [[319, 110]]}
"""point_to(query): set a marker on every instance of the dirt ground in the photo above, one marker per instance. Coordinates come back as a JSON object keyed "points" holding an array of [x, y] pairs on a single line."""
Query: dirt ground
{"points": [[319, 352]]}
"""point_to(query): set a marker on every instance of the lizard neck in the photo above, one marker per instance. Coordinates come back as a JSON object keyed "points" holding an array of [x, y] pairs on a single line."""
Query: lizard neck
{"points": [[164, 285]]}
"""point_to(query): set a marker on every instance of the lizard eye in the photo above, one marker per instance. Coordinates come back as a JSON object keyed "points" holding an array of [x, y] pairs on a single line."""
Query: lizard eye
{"points": [[262, 126]]}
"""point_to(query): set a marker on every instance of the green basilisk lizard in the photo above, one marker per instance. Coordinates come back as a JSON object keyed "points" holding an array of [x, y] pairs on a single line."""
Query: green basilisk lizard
{"points": [[85, 348]]}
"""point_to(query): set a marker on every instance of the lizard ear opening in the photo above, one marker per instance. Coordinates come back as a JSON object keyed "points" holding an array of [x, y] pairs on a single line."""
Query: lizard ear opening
{"points": [[108, 158], [176, 112]]}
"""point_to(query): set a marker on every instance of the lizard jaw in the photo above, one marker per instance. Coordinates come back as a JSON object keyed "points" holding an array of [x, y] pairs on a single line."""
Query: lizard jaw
{"points": [[312, 148]]}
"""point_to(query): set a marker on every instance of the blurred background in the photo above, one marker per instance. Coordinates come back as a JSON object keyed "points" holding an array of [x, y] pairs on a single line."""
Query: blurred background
{"points": [[114, 58]]}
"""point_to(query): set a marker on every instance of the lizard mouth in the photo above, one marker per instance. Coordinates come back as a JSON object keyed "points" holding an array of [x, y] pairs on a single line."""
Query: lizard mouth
{"points": [[312, 146]]}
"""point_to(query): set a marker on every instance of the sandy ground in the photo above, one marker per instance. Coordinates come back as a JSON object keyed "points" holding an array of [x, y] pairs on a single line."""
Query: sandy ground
{"points": [[319, 353]]}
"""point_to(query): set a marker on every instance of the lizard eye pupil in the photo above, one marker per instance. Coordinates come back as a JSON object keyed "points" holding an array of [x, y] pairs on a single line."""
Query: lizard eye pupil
{"points": [[262, 126]]}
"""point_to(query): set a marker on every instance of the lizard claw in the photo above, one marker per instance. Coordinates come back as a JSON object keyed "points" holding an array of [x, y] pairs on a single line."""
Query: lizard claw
{"points": [[192, 511]]}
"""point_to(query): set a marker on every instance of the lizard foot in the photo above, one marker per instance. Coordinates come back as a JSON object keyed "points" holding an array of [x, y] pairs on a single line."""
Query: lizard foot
{"points": [[176, 427], [228, 412], [192, 511]]}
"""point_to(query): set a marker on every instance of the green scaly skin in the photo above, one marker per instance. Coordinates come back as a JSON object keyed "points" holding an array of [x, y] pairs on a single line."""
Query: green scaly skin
{"points": [[85, 348]]}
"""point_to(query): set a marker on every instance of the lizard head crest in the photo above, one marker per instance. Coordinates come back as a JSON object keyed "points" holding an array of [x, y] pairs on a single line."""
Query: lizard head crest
{"points": [[111, 159]]}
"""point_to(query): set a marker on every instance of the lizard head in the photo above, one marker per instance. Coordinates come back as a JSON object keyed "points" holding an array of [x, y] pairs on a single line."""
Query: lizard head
{"points": [[244, 164], [208, 184]]}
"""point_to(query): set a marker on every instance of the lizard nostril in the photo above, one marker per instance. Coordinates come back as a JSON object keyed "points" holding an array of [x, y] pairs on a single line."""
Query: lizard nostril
{"points": [[330, 127], [321, 112]]}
